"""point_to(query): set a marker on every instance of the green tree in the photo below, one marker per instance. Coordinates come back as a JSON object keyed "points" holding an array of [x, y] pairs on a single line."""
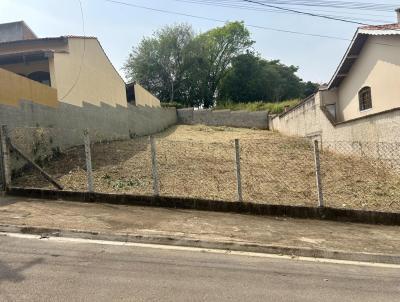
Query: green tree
{"points": [[310, 88], [158, 61], [177, 65], [251, 78], [246, 80], [215, 51]]}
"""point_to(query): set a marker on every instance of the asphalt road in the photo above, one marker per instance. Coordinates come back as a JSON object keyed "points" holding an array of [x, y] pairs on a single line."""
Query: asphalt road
{"points": [[42, 270]]}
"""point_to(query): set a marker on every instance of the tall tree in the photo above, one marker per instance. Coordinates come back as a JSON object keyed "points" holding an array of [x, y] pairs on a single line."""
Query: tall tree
{"points": [[216, 49], [157, 63], [246, 80], [177, 65], [310, 88], [251, 78]]}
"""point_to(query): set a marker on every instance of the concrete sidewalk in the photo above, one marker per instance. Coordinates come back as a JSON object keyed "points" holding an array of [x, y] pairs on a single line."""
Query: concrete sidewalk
{"points": [[218, 230]]}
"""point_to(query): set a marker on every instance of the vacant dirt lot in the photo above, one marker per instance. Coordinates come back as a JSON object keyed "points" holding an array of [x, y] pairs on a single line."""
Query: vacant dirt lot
{"points": [[198, 161]]}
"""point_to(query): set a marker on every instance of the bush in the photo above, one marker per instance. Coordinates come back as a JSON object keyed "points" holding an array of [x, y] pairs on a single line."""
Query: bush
{"points": [[172, 104], [273, 108]]}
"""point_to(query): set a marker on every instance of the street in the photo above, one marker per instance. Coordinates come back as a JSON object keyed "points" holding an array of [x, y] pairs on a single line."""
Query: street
{"points": [[51, 270]]}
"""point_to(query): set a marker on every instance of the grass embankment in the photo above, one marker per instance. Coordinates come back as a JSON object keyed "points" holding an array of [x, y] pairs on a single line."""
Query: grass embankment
{"points": [[199, 161], [274, 108]]}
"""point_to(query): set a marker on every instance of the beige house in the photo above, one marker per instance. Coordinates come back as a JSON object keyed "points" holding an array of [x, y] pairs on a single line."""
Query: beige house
{"points": [[139, 96], [75, 67], [367, 80], [361, 103]]}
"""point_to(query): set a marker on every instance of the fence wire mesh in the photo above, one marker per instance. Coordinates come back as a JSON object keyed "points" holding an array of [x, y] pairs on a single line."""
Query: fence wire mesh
{"points": [[44, 146], [278, 172], [361, 175], [122, 166], [196, 169], [274, 170]]}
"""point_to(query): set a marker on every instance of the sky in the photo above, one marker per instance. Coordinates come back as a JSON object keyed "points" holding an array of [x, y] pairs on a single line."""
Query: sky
{"points": [[120, 27]]}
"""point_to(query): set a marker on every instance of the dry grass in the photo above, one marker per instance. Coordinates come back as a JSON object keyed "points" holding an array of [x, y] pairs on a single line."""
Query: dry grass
{"points": [[198, 161]]}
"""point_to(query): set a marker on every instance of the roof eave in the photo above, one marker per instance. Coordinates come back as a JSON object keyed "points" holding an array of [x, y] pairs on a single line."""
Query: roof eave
{"points": [[379, 32], [361, 32], [335, 75]]}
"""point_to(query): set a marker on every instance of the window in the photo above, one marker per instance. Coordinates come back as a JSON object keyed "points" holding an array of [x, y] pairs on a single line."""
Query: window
{"points": [[365, 99], [41, 77]]}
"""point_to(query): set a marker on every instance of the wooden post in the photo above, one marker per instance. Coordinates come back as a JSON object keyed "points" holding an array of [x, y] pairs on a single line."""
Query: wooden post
{"points": [[238, 174], [318, 174], [6, 159], [2, 178], [41, 171], [88, 157], [156, 188]]}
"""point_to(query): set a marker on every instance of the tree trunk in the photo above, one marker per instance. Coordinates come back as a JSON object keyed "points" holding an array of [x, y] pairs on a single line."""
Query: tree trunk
{"points": [[172, 92]]}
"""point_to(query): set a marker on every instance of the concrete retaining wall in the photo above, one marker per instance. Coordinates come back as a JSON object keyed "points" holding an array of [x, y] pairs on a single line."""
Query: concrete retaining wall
{"points": [[310, 120], [303, 120], [40, 130], [252, 208], [240, 119]]}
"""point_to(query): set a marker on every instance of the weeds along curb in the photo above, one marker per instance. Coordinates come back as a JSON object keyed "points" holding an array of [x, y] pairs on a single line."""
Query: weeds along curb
{"points": [[326, 213], [218, 245]]}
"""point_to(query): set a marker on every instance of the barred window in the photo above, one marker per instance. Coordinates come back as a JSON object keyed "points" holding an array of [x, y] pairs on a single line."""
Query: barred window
{"points": [[365, 99]]}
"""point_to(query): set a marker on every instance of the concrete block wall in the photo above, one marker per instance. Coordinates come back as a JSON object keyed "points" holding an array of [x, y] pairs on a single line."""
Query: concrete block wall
{"points": [[240, 119], [352, 137], [40, 130], [302, 121]]}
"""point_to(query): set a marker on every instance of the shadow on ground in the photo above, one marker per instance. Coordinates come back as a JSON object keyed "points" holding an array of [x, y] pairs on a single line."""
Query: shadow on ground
{"points": [[11, 274]]}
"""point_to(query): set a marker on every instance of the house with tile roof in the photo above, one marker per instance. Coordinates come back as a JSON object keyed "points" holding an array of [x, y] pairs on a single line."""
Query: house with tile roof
{"points": [[367, 80], [361, 102], [75, 69], [75, 66]]}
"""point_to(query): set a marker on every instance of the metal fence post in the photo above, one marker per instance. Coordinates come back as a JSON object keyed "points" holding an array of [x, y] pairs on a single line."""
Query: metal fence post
{"points": [[238, 175], [156, 188], [2, 175], [88, 157], [5, 160], [318, 174]]}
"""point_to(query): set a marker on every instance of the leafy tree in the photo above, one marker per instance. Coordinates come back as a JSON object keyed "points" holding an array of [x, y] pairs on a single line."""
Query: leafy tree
{"points": [[216, 50], [251, 78], [157, 63], [246, 81], [177, 65], [310, 88]]}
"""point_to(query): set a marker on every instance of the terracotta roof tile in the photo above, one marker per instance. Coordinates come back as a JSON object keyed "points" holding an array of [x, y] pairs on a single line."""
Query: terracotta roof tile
{"points": [[47, 39], [80, 37], [393, 26]]}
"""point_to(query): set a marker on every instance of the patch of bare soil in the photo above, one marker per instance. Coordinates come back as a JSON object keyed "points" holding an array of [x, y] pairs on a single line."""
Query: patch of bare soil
{"points": [[199, 161]]}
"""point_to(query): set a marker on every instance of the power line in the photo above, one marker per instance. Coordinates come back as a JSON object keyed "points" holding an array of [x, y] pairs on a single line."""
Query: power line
{"points": [[334, 4], [83, 54], [240, 4], [224, 21], [259, 9], [249, 25], [304, 13]]}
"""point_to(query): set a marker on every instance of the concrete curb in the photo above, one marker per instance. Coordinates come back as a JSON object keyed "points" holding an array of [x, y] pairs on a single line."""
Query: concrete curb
{"points": [[225, 245], [303, 212]]}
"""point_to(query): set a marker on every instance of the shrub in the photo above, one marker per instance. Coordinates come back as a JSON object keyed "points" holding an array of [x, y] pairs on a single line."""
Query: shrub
{"points": [[172, 104], [274, 108]]}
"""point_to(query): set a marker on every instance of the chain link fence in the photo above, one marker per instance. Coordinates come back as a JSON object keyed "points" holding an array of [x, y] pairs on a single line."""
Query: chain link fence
{"points": [[274, 170], [279, 172], [361, 175]]}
